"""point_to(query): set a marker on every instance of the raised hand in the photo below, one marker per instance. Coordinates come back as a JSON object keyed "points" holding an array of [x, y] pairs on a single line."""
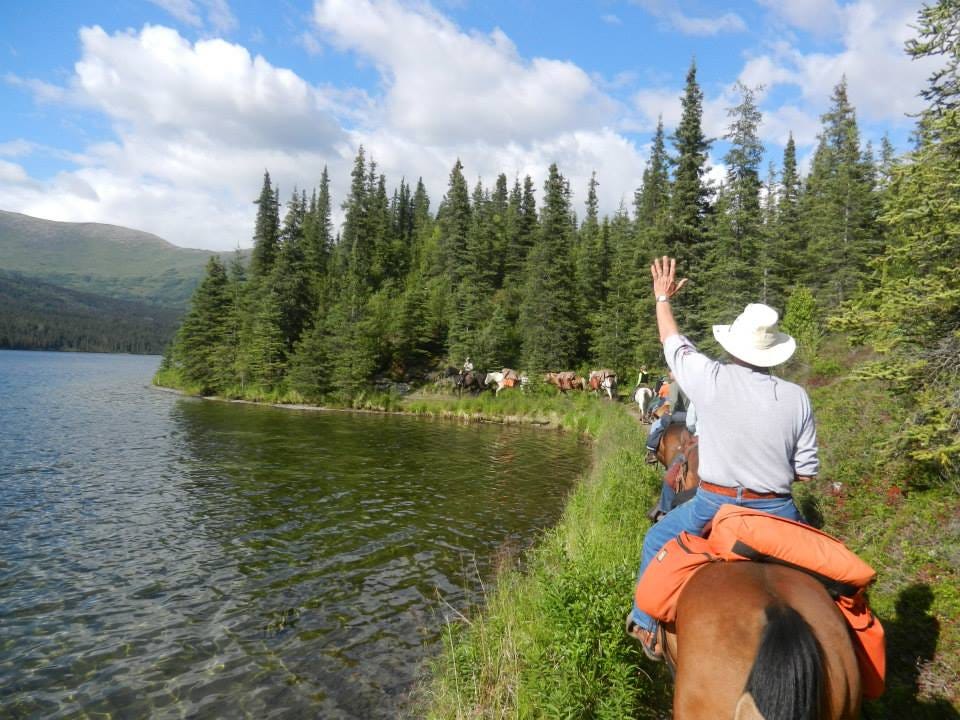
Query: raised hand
{"points": [[664, 277]]}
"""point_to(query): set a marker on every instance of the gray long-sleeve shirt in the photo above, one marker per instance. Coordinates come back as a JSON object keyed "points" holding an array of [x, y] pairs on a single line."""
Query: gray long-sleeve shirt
{"points": [[756, 430]]}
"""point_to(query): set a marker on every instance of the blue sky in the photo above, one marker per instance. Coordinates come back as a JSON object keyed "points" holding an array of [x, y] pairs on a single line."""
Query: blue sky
{"points": [[163, 114]]}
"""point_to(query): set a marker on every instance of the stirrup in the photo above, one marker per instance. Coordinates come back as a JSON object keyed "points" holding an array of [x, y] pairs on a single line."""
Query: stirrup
{"points": [[648, 639], [651, 458]]}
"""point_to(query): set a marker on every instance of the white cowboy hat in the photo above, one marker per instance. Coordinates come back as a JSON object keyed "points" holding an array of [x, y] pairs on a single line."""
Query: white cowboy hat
{"points": [[754, 338]]}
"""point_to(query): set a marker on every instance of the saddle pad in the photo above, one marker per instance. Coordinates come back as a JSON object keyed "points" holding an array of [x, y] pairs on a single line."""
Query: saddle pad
{"points": [[757, 535]]}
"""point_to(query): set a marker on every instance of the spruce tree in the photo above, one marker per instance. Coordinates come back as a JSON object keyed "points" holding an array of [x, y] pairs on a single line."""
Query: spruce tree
{"points": [[733, 270], [204, 335], [652, 201], [615, 318], [839, 206], [548, 318], [266, 232], [690, 200], [454, 220], [592, 268]]}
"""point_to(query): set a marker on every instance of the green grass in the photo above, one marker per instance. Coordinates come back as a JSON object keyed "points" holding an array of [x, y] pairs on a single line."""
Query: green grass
{"points": [[550, 641], [906, 525]]}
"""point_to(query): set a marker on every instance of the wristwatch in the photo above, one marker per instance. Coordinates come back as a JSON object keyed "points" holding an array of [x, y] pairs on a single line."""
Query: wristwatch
{"points": [[663, 298]]}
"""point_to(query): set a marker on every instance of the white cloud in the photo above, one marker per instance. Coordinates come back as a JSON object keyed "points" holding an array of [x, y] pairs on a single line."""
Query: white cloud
{"points": [[196, 123], [706, 26], [816, 16], [611, 19], [16, 148], [309, 42], [183, 10], [13, 173], [883, 82], [668, 12], [448, 86], [219, 16], [195, 126]]}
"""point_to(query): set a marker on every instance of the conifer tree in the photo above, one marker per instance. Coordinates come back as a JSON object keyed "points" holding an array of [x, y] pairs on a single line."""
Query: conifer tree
{"points": [[203, 337], [352, 247], [733, 270], [548, 310], [652, 201], [592, 268], [290, 281], [690, 199], [615, 319], [912, 315], [266, 233], [264, 351], [454, 220], [839, 208], [318, 232]]}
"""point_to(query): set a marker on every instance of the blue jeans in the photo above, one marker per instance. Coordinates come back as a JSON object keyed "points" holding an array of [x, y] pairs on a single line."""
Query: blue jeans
{"points": [[660, 425], [667, 496], [692, 516], [656, 430]]}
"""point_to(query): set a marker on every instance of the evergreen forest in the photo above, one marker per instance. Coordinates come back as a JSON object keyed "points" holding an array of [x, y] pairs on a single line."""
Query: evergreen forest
{"points": [[514, 275]]}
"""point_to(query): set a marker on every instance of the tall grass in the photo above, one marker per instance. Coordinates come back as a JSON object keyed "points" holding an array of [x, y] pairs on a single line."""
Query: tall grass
{"points": [[550, 642]]}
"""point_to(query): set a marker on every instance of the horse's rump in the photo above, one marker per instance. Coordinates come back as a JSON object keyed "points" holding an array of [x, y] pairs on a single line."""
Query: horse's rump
{"points": [[727, 640]]}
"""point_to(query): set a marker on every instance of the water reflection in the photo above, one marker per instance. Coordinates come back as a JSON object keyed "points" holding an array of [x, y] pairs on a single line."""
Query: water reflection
{"points": [[171, 557]]}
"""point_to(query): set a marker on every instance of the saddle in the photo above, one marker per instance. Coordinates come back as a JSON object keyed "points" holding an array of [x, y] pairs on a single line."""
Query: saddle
{"points": [[675, 474], [741, 534]]}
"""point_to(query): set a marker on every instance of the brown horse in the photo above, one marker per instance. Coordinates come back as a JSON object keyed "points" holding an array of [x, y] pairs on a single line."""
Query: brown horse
{"points": [[564, 381], [757, 641], [678, 452]]}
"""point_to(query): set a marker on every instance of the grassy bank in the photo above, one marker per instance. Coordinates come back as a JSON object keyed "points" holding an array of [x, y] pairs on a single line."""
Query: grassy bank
{"points": [[550, 641]]}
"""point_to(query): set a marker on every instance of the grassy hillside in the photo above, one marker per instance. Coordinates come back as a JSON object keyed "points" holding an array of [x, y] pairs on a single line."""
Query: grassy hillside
{"points": [[103, 259], [35, 315]]}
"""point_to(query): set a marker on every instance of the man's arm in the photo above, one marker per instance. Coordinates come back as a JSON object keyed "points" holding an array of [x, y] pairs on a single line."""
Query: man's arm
{"points": [[665, 287]]}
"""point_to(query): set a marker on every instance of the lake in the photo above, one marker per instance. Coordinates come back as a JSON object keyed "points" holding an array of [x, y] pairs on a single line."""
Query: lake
{"points": [[163, 556]]}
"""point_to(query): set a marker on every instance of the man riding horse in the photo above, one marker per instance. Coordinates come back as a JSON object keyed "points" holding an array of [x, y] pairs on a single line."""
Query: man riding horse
{"points": [[675, 411], [757, 430]]}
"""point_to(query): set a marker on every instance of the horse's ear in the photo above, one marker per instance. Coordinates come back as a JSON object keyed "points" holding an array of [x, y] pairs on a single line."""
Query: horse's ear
{"points": [[746, 709]]}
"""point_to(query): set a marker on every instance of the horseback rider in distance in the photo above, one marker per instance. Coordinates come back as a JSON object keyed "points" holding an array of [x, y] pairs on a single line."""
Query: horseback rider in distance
{"points": [[757, 431]]}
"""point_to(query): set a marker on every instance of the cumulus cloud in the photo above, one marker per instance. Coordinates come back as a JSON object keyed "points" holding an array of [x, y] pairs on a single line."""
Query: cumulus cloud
{"points": [[196, 124], [448, 86], [883, 83], [13, 173]]}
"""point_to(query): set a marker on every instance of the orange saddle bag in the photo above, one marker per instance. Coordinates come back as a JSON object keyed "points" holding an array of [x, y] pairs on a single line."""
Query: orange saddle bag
{"points": [[659, 588]]}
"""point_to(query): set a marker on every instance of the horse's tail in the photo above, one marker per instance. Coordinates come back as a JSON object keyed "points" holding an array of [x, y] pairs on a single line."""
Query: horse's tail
{"points": [[787, 677]]}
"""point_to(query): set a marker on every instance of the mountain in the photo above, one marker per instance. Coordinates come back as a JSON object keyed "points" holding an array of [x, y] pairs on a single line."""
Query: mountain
{"points": [[108, 260], [35, 315]]}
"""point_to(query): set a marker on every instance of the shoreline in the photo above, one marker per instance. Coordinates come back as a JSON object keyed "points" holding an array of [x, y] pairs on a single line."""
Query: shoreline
{"points": [[537, 421]]}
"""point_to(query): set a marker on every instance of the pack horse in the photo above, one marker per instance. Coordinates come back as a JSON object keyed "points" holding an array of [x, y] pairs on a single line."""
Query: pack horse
{"points": [[603, 381]]}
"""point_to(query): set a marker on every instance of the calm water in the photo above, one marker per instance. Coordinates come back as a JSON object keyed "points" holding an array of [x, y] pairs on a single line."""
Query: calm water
{"points": [[168, 557]]}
